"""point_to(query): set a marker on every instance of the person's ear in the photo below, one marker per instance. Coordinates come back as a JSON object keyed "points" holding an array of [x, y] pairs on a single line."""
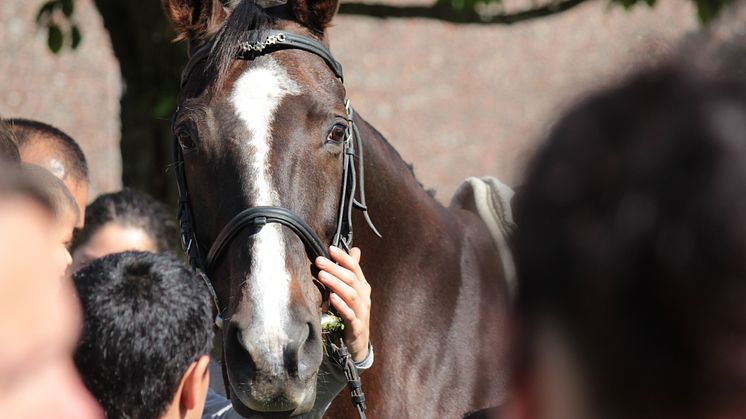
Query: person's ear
{"points": [[316, 15], [194, 20], [194, 385]]}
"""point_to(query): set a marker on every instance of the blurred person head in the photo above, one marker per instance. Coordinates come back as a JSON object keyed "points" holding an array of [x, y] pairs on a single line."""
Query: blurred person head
{"points": [[39, 323], [8, 147], [123, 221], [52, 149], [65, 209], [146, 337], [631, 254]]}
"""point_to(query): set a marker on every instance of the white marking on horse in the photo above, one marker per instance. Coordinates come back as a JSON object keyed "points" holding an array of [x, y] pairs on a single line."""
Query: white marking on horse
{"points": [[256, 96]]}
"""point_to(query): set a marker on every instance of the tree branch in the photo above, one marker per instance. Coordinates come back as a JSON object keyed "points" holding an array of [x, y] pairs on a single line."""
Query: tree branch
{"points": [[449, 14]]}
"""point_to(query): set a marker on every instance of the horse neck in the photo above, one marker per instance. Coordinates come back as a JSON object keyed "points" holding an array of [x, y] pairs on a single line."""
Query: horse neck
{"points": [[434, 277], [405, 214]]}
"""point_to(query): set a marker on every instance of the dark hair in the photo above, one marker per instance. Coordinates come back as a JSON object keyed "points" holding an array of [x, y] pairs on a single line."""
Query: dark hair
{"points": [[129, 208], [632, 238], [8, 146], [246, 15], [147, 318], [27, 131]]}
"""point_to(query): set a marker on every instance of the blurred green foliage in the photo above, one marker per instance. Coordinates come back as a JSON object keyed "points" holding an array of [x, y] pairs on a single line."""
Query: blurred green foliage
{"points": [[150, 65], [57, 17], [707, 10]]}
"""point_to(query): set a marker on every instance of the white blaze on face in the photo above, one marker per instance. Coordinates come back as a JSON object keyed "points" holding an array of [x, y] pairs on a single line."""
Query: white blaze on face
{"points": [[256, 96]]}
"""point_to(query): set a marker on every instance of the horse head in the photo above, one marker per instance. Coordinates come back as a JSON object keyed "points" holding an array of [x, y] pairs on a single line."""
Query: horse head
{"points": [[261, 130]]}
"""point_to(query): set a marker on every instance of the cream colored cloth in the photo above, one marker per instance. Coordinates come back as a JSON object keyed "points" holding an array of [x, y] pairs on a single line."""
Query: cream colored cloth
{"points": [[489, 198]]}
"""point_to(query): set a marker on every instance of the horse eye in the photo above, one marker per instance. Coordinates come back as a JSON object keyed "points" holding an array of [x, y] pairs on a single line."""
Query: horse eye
{"points": [[185, 140], [337, 134]]}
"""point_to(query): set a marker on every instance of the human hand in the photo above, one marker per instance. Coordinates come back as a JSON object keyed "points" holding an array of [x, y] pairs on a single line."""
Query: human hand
{"points": [[350, 295]]}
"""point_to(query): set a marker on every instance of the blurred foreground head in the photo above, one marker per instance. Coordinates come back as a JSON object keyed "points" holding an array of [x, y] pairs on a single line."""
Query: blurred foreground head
{"points": [[39, 315], [632, 254], [46, 146], [67, 214]]}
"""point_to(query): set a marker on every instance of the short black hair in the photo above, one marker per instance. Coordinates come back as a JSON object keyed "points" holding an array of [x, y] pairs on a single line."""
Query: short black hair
{"points": [[632, 238], [27, 131], [147, 318], [130, 208], [8, 145]]}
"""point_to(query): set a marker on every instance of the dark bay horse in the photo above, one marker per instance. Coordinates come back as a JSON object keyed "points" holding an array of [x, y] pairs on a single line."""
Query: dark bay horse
{"points": [[270, 130]]}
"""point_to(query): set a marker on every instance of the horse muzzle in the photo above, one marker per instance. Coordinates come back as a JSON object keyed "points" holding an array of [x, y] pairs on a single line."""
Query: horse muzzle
{"points": [[273, 372]]}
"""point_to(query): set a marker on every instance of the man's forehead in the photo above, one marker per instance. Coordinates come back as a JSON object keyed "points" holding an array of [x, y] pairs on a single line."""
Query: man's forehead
{"points": [[45, 156], [39, 143]]}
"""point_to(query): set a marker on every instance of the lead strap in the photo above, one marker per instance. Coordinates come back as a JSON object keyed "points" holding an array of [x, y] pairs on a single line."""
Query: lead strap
{"points": [[341, 355]]}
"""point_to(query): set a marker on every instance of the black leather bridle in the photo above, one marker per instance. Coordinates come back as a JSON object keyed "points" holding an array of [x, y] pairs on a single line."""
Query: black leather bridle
{"points": [[255, 218]]}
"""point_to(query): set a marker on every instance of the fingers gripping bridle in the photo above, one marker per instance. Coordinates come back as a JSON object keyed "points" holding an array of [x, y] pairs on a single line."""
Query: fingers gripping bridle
{"points": [[253, 219]]}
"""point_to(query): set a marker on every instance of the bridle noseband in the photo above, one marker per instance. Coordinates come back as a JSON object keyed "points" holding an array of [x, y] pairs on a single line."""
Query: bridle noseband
{"points": [[255, 218]]}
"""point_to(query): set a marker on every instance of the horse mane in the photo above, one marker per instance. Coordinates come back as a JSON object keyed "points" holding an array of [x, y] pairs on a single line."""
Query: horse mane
{"points": [[245, 16], [430, 191], [410, 166]]}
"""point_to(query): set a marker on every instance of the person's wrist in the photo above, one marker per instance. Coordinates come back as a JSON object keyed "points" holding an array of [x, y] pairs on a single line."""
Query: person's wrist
{"points": [[366, 362], [360, 352]]}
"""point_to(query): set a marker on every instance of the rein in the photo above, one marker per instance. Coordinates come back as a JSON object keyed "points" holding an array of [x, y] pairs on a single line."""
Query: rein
{"points": [[255, 218]]}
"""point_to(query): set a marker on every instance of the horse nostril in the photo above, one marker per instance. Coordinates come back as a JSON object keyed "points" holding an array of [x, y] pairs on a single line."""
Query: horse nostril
{"points": [[293, 354], [239, 340], [291, 360], [293, 350]]}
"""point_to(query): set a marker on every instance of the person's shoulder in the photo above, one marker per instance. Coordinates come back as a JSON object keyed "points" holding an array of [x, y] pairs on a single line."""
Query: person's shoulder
{"points": [[218, 407]]}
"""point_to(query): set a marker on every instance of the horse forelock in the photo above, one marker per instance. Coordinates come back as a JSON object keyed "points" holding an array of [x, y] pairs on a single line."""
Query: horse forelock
{"points": [[245, 16]]}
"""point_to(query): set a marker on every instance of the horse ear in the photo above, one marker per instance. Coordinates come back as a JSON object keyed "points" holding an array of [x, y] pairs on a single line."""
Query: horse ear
{"points": [[194, 19], [315, 14]]}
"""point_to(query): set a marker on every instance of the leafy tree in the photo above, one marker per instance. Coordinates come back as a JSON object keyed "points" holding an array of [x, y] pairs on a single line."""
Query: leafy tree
{"points": [[151, 63], [495, 12], [56, 15]]}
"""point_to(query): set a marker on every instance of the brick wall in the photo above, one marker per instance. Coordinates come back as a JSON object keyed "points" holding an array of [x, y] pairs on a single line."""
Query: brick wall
{"points": [[473, 100], [77, 91], [456, 100]]}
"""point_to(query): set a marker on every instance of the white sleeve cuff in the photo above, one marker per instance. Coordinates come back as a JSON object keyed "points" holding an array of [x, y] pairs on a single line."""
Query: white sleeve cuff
{"points": [[368, 361]]}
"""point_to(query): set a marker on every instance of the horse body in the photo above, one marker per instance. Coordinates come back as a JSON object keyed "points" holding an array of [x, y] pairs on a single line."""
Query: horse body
{"points": [[265, 132], [438, 321]]}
